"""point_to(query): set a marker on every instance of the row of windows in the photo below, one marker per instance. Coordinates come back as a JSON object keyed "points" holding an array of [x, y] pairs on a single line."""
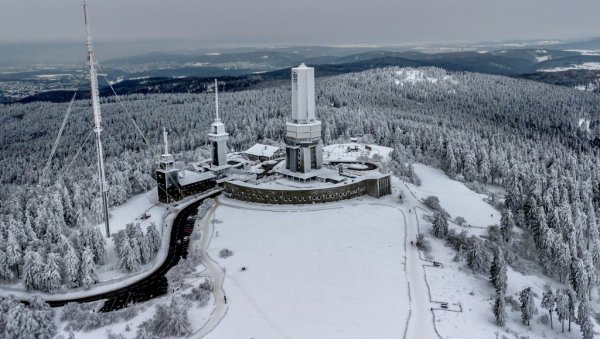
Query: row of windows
{"points": [[248, 194]]}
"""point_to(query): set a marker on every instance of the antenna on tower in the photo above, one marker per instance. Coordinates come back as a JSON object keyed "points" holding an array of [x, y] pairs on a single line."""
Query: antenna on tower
{"points": [[216, 100], [97, 117], [166, 140]]}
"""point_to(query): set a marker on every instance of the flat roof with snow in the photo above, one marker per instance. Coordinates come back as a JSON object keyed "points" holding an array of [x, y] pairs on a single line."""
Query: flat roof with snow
{"points": [[189, 177], [261, 150]]}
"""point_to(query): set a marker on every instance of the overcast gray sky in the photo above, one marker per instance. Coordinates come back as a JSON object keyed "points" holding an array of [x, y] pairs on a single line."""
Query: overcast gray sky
{"points": [[300, 21]]}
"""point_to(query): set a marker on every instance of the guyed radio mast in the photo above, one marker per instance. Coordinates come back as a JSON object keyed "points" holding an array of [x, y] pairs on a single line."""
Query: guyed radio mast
{"points": [[97, 117]]}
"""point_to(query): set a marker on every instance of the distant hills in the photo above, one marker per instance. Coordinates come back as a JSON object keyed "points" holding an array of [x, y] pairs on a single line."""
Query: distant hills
{"points": [[240, 69]]}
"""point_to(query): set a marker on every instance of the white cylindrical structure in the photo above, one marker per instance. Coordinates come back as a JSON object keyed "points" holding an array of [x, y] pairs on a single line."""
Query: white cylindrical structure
{"points": [[303, 94], [303, 131]]}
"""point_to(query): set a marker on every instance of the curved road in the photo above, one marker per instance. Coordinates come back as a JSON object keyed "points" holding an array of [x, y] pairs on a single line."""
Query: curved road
{"points": [[216, 274], [155, 284]]}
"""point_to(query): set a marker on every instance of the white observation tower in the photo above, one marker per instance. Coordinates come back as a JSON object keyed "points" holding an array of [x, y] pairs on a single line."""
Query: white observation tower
{"points": [[304, 149]]}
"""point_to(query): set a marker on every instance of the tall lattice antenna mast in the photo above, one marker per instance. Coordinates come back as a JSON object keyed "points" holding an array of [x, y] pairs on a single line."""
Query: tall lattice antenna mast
{"points": [[216, 100], [97, 117]]}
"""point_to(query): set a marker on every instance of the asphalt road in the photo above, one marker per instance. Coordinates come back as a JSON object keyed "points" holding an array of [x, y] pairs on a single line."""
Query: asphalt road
{"points": [[155, 284]]}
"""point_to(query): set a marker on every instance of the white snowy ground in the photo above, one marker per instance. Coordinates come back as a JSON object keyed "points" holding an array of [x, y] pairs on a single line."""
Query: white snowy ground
{"points": [[456, 284], [322, 271], [592, 66], [455, 197]]}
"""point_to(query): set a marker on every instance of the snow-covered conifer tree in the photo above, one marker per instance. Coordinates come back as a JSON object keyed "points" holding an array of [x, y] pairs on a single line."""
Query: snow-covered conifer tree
{"points": [[87, 268], [478, 257], [5, 272], [145, 251], [71, 267], [499, 309], [153, 238], [13, 253], [129, 261], [498, 271], [507, 224], [440, 225], [579, 279], [562, 307], [172, 319], [548, 303], [571, 298], [583, 311], [527, 305], [587, 328], [51, 278], [32, 270]]}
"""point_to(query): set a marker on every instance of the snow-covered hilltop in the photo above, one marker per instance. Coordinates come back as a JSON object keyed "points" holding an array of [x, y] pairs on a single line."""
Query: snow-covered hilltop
{"points": [[498, 158]]}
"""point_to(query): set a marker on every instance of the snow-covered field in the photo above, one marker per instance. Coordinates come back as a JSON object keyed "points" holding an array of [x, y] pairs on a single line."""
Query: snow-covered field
{"points": [[332, 271], [590, 66], [454, 197], [585, 51]]}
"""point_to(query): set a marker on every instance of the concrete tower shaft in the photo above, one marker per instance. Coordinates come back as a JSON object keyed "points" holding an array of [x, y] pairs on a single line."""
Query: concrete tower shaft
{"points": [[303, 94]]}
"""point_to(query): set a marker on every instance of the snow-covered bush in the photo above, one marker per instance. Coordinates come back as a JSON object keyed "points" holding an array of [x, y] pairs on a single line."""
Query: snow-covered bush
{"points": [[33, 321], [202, 292], [495, 234], [458, 241], [112, 335], [433, 202], [514, 303], [86, 317], [203, 209], [544, 319], [225, 253], [422, 243], [169, 320]]}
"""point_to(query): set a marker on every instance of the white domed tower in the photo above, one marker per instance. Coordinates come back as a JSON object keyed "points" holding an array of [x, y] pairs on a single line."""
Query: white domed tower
{"points": [[217, 136], [304, 149]]}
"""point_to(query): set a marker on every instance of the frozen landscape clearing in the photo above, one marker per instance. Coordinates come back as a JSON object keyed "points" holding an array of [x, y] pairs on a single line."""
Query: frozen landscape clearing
{"points": [[455, 283], [455, 197], [344, 260]]}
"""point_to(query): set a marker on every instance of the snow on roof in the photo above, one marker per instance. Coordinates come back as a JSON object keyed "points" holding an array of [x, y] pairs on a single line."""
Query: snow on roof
{"points": [[189, 177], [260, 150]]}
